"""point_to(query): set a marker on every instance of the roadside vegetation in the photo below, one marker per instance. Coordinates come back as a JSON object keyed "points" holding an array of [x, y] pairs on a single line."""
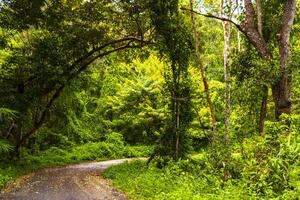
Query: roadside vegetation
{"points": [[112, 148], [207, 90], [257, 171]]}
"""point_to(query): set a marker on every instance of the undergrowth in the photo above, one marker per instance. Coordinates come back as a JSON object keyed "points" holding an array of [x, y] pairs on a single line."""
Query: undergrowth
{"points": [[183, 180], [260, 167], [54, 156]]}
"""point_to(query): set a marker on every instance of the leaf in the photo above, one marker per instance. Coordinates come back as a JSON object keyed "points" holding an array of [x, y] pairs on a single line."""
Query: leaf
{"points": [[5, 146], [7, 114]]}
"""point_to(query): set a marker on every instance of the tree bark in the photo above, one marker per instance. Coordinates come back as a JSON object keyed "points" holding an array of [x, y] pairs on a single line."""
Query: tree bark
{"points": [[239, 32], [259, 17], [177, 127], [176, 109], [202, 71], [252, 33], [263, 108], [227, 31], [282, 87], [84, 62]]}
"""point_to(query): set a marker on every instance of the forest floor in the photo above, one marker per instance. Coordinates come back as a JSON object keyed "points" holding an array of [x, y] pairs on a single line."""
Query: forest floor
{"points": [[73, 182]]}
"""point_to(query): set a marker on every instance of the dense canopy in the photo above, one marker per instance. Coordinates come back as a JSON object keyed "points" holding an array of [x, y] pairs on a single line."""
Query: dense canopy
{"points": [[207, 88]]}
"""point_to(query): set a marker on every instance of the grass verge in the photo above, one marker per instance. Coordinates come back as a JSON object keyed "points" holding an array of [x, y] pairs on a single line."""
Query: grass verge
{"points": [[184, 180], [54, 156]]}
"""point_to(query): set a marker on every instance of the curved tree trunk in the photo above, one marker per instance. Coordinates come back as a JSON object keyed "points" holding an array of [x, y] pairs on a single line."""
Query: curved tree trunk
{"points": [[281, 89]]}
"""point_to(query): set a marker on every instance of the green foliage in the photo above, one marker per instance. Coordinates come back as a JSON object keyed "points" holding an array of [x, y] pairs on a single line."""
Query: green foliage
{"points": [[183, 180], [132, 101], [252, 75], [81, 109], [5, 146], [46, 49], [115, 138], [255, 178], [7, 114], [259, 168], [58, 157], [176, 43]]}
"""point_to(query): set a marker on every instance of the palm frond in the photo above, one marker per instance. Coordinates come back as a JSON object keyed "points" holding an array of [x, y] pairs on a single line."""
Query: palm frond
{"points": [[7, 114]]}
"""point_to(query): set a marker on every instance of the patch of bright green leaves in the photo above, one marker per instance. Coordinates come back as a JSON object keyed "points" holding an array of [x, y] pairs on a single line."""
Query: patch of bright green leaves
{"points": [[260, 167], [112, 148]]}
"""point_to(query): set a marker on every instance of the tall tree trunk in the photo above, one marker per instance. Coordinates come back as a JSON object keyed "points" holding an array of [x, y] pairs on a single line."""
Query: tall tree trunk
{"points": [[19, 137], [201, 68], [259, 17], [250, 30], [263, 108], [239, 41], [238, 4], [177, 127], [227, 31], [176, 109], [282, 88]]}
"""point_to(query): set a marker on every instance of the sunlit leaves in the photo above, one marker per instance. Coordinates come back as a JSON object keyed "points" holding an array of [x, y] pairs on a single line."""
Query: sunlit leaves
{"points": [[7, 114]]}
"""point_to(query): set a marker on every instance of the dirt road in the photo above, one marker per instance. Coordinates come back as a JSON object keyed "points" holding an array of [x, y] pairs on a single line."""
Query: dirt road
{"points": [[74, 182]]}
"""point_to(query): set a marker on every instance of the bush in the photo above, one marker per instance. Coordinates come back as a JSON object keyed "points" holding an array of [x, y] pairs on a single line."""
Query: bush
{"points": [[183, 180], [115, 138], [257, 168]]}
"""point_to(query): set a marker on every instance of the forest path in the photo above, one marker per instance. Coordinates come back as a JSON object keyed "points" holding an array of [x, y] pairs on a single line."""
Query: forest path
{"points": [[73, 182]]}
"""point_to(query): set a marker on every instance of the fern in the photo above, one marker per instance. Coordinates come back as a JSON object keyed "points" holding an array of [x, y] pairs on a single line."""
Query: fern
{"points": [[7, 114], [5, 146]]}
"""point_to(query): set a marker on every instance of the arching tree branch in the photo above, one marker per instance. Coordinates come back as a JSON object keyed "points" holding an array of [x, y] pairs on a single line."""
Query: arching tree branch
{"points": [[216, 17], [248, 28], [84, 62]]}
